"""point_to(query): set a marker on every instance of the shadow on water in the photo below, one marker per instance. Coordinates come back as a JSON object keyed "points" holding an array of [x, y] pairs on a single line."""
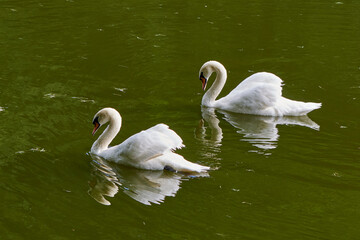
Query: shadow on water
{"points": [[260, 131], [144, 186]]}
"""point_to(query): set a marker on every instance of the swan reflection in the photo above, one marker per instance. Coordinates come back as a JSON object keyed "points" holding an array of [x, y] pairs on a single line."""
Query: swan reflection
{"points": [[260, 131], [210, 146], [144, 186]]}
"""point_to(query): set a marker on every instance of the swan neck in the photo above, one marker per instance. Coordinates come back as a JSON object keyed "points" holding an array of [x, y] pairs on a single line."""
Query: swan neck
{"points": [[102, 143], [210, 96]]}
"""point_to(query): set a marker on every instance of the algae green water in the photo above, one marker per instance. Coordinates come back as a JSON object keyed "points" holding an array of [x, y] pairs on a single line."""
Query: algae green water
{"points": [[274, 178]]}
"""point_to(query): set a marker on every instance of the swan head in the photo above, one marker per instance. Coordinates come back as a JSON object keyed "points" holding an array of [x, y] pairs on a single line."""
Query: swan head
{"points": [[207, 69], [103, 116]]}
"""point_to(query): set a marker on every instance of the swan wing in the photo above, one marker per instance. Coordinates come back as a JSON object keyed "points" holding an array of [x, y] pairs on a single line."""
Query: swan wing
{"points": [[149, 144], [260, 78], [261, 94], [255, 93]]}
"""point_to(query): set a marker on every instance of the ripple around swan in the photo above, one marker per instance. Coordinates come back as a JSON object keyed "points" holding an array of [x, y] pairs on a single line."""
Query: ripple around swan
{"points": [[58, 95]]}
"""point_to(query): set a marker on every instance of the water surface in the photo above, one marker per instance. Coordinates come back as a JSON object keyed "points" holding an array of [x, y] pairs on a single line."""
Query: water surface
{"points": [[275, 178]]}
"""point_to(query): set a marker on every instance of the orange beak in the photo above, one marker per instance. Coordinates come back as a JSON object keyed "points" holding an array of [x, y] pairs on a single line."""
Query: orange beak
{"points": [[97, 125], [203, 81]]}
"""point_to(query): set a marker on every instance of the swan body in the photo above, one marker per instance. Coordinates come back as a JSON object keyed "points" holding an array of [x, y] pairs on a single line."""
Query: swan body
{"points": [[151, 149], [259, 94]]}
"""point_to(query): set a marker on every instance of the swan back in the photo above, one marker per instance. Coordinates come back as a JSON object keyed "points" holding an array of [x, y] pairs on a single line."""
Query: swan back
{"points": [[261, 78], [147, 144]]}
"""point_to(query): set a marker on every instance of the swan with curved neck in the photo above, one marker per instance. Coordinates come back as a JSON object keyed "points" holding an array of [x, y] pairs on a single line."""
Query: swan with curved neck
{"points": [[259, 94], [151, 149]]}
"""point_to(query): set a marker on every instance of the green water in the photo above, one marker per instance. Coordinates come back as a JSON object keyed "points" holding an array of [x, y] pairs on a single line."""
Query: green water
{"points": [[62, 61]]}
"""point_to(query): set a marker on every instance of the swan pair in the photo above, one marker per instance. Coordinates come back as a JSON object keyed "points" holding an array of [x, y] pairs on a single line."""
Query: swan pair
{"points": [[153, 149]]}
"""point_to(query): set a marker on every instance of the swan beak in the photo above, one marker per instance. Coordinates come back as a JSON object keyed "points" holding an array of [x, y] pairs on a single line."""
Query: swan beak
{"points": [[97, 125], [203, 81]]}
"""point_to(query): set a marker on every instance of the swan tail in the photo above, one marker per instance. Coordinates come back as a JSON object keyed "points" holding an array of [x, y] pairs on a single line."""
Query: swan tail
{"points": [[296, 108], [179, 164], [308, 107]]}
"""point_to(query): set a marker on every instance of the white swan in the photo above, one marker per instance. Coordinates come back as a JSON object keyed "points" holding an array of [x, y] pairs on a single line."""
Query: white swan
{"points": [[151, 149], [259, 94]]}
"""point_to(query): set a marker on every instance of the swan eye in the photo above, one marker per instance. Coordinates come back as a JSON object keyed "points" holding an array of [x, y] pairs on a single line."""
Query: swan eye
{"points": [[203, 80]]}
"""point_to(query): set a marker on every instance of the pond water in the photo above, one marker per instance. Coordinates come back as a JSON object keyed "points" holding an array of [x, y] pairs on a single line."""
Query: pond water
{"points": [[273, 178]]}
